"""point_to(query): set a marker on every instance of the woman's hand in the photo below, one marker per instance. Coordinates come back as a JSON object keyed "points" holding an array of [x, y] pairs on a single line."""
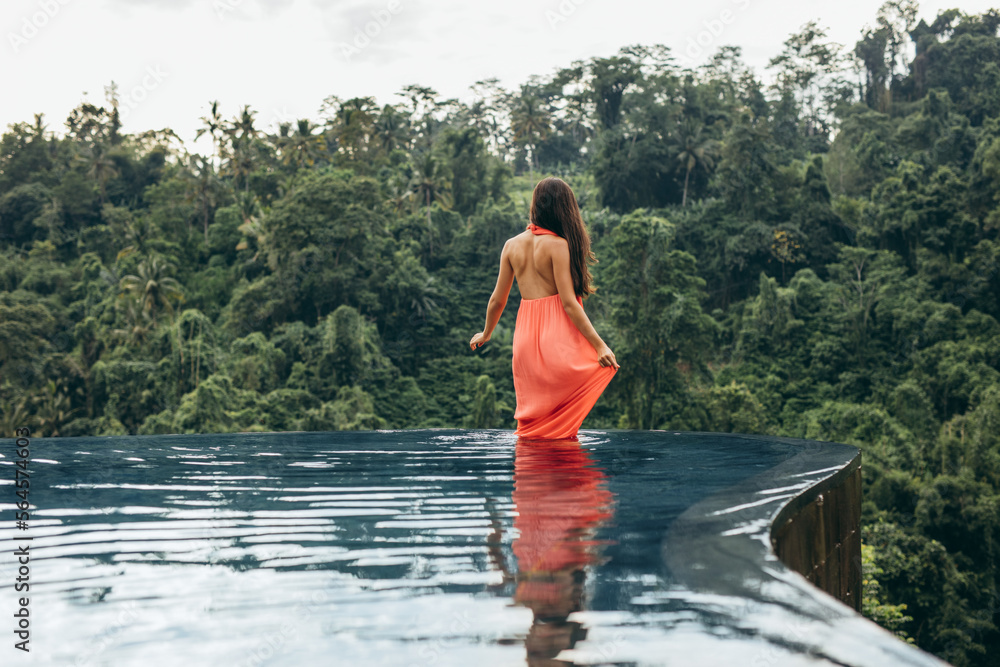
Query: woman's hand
{"points": [[606, 357], [479, 340]]}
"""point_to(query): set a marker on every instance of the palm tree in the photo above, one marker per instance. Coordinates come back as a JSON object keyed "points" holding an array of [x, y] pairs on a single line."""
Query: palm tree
{"points": [[100, 167], [531, 124], [432, 183], [244, 124], [693, 151], [249, 205], [401, 196], [213, 126], [138, 323], [254, 228], [354, 124], [203, 187], [391, 129], [138, 231], [241, 133], [303, 148], [240, 164], [152, 287]]}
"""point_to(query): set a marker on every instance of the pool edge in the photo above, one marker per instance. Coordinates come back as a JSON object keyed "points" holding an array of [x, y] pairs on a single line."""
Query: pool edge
{"points": [[725, 546], [818, 534]]}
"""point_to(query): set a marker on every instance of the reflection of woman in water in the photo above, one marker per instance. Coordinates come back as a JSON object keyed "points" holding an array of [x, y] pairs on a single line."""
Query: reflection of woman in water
{"points": [[561, 365], [561, 501]]}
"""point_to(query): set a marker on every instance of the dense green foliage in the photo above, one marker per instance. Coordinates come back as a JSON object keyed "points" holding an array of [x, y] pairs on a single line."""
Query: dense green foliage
{"points": [[818, 257]]}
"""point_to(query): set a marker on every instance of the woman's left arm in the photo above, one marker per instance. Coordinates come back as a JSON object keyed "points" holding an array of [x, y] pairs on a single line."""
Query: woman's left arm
{"points": [[498, 300]]}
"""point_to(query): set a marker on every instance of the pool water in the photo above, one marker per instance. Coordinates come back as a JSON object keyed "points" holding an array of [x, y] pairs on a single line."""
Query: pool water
{"points": [[423, 547]]}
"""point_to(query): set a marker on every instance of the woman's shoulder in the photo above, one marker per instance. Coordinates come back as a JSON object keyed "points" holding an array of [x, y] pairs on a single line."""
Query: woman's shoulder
{"points": [[546, 238], [524, 239], [519, 238]]}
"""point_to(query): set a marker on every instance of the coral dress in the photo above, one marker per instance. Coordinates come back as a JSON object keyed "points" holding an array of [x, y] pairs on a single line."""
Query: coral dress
{"points": [[557, 375]]}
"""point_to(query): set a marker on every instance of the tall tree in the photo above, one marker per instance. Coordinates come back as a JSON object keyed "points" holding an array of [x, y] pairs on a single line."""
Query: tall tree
{"points": [[431, 183], [203, 188], [152, 287], [531, 123], [100, 167], [214, 126], [694, 150]]}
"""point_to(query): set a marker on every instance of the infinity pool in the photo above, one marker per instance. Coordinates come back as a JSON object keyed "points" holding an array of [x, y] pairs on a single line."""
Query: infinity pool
{"points": [[426, 547]]}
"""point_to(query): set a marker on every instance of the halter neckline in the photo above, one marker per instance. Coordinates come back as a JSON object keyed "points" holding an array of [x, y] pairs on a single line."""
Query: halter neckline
{"points": [[535, 229]]}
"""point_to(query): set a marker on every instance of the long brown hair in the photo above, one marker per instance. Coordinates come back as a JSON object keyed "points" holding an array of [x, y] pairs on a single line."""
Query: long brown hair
{"points": [[554, 207]]}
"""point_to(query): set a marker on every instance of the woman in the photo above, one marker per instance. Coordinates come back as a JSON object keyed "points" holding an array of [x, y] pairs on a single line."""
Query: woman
{"points": [[561, 365]]}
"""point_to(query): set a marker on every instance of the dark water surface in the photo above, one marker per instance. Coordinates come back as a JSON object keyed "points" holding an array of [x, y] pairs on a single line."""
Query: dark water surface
{"points": [[424, 547]]}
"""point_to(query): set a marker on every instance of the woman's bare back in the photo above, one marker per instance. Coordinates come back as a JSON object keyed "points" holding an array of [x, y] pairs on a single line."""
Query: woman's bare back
{"points": [[541, 263], [531, 257]]}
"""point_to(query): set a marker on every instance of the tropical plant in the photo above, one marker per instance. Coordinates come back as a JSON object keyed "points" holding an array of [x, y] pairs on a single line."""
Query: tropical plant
{"points": [[152, 288]]}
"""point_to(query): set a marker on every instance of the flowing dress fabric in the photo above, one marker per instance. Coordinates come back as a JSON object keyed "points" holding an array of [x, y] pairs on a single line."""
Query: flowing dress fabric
{"points": [[557, 375]]}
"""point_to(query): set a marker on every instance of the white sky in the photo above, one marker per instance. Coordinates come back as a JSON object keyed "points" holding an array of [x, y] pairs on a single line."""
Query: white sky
{"points": [[283, 57]]}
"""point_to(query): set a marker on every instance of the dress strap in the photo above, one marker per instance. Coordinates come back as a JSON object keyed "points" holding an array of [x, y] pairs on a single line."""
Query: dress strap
{"points": [[535, 229]]}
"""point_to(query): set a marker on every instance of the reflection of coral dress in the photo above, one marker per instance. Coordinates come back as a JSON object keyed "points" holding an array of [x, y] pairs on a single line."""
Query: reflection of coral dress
{"points": [[561, 499], [557, 375]]}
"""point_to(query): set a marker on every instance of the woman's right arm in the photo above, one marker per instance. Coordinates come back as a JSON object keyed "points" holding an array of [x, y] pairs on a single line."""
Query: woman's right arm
{"points": [[498, 300], [567, 295]]}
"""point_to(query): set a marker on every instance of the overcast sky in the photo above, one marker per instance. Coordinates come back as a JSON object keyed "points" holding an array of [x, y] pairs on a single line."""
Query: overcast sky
{"points": [[283, 57]]}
